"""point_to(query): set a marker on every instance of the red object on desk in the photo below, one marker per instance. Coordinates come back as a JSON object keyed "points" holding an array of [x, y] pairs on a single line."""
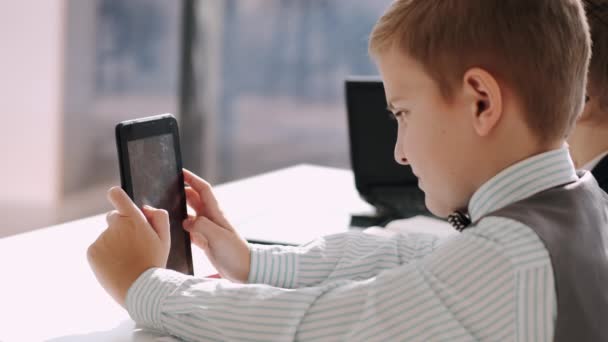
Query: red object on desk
{"points": [[217, 276]]}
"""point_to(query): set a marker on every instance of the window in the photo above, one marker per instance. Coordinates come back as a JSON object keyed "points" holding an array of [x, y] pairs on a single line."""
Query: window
{"points": [[283, 63]]}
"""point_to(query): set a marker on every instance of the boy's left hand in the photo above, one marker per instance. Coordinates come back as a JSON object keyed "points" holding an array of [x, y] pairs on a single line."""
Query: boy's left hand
{"points": [[134, 241]]}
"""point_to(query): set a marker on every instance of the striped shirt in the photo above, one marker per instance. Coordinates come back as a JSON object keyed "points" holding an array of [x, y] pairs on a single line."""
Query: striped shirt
{"points": [[492, 282]]}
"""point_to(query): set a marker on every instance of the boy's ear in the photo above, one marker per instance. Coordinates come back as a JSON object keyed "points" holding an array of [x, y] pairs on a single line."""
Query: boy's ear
{"points": [[592, 113], [486, 99], [588, 107], [585, 115]]}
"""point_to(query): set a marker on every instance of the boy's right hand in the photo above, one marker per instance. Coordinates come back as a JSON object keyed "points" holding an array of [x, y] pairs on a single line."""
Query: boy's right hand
{"points": [[211, 231]]}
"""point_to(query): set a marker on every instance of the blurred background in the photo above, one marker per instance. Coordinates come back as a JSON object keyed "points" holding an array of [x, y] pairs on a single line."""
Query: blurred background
{"points": [[256, 85]]}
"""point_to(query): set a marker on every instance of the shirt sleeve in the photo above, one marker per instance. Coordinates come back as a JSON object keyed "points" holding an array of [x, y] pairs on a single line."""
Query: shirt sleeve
{"points": [[351, 256], [464, 291]]}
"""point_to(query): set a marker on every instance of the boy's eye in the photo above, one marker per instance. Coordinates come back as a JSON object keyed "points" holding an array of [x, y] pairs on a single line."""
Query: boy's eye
{"points": [[397, 115]]}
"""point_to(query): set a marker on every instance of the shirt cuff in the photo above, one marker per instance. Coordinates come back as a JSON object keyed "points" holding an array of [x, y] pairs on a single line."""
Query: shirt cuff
{"points": [[146, 295], [273, 265]]}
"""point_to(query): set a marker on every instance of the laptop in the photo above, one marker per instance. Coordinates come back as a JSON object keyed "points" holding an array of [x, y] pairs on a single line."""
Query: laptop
{"points": [[391, 188]]}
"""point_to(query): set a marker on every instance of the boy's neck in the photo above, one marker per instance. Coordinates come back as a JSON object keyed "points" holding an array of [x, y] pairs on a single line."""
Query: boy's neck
{"points": [[500, 158], [587, 142]]}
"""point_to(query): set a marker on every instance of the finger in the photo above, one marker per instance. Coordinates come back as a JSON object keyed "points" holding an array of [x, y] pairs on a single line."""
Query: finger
{"points": [[95, 247], [159, 220], [200, 241], [205, 227], [112, 219], [113, 216], [194, 201], [124, 205], [196, 236], [202, 188], [188, 222], [208, 204]]}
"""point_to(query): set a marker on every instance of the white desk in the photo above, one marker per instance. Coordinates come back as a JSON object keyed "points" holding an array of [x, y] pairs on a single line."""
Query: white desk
{"points": [[49, 293]]}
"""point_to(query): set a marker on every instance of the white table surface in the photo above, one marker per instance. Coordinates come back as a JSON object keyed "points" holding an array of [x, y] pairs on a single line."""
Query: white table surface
{"points": [[49, 293], [293, 205]]}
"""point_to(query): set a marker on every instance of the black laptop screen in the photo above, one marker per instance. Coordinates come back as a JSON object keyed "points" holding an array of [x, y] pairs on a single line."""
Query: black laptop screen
{"points": [[372, 138]]}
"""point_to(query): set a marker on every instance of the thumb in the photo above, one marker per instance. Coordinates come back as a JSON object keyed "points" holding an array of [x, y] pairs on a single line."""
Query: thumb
{"points": [[200, 240], [159, 220], [124, 205], [203, 226], [204, 232]]}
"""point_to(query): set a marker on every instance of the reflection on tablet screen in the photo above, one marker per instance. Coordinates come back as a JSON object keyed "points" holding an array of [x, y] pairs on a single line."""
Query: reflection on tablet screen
{"points": [[155, 180]]}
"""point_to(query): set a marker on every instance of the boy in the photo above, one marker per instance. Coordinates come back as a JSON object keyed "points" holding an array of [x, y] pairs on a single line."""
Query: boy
{"points": [[589, 140], [484, 91]]}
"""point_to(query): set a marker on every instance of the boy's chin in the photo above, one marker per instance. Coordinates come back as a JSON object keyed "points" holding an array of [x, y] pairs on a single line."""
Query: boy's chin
{"points": [[438, 209]]}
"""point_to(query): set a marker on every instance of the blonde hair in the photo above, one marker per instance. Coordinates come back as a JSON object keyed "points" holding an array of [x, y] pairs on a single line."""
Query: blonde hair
{"points": [[597, 14], [539, 48]]}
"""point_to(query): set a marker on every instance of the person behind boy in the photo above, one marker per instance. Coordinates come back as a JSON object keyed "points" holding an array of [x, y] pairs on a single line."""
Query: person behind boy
{"points": [[485, 92], [589, 139]]}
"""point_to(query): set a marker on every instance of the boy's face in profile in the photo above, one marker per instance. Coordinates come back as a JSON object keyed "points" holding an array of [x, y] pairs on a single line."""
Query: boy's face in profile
{"points": [[434, 137]]}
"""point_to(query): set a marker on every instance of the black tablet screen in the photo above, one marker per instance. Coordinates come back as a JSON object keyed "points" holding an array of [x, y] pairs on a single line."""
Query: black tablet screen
{"points": [[155, 180]]}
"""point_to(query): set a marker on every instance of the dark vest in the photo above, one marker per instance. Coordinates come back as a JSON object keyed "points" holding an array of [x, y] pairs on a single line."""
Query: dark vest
{"points": [[572, 222], [600, 172]]}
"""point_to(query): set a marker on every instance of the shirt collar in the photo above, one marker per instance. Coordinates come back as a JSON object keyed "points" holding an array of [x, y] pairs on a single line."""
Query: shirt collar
{"points": [[521, 180]]}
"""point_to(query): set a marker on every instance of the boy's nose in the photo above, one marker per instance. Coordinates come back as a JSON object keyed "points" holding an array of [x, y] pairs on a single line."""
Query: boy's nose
{"points": [[399, 158], [403, 161]]}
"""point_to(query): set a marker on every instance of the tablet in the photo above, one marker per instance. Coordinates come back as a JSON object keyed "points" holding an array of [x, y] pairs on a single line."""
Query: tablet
{"points": [[151, 174]]}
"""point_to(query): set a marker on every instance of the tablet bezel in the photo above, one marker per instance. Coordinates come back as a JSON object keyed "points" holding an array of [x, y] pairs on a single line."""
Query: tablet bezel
{"points": [[144, 128]]}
